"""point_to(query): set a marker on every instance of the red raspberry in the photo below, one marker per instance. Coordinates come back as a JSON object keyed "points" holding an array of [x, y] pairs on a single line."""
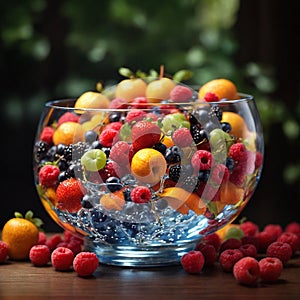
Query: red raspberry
{"points": [[202, 160], [258, 160], [181, 93], [192, 262], [114, 125], [253, 240], [219, 174], [110, 170], [249, 228], [47, 134], [231, 243], [293, 227], [48, 175], [211, 97], [42, 238], [3, 251], [238, 175], [144, 135], [290, 238], [280, 250], [118, 103], [264, 240], [182, 137], [53, 241], [68, 117], [69, 194], [108, 137], [39, 255], [275, 230], [120, 153], [214, 240], [237, 152], [62, 258], [246, 271], [228, 259], [141, 194], [74, 246], [68, 235], [135, 115], [209, 252], [85, 263], [139, 103], [270, 269], [249, 250]]}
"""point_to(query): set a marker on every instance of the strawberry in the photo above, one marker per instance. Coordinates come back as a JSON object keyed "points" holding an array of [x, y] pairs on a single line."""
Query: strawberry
{"points": [[144, 135], [69, 194]]}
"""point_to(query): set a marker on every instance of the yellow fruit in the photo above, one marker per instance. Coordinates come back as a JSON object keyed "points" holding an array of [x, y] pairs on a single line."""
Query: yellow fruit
{"points": [[223, 88], [66, 133], [231, 193], [238, 124], [113, 201], [20, 235], [92, 100], [159, 90], [148, 165], [129, 89]]}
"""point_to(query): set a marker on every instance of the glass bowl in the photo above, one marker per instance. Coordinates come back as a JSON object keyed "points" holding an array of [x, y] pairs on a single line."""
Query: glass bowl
{"points": [[142, 184]]}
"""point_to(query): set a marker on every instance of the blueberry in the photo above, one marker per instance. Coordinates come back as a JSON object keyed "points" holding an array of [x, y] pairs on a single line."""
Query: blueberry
{"points": [[90, 136], [226, 127], [60, 149], [229, 163], [63, 164], [114, 117], [113, 184], [160, 147], [96, 145], [203, 175], [173, 154]]}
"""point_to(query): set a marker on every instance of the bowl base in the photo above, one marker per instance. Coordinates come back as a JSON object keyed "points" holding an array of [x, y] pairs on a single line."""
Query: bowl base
{"points": [[140, 256]]}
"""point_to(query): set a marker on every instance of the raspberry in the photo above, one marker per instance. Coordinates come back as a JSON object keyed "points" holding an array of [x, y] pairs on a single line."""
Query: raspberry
{"points": [[211, 97], [42, 238], [110, 170], [192, 262], [264, 240], [270, 269], [74, 246], [202, 160], [85, 263], [237, 152], [293, 227], [118, 103], [209, 252], [182, 137], [39, 255], [68, 117], [139, 103], [253, 240], [108, 137], [53, 241], [219, 174], [67, 235], [120, 153], [181, 93], [280, 250], [140, 194], [249, 228], [290, 238], [3, 251], [231, 243], [114, 125], [275, 230], [47, 134], [48, 175], [228, 259], [249, 250], [62, 258], [258, 160], [214, 240], [237, 176], [135, 115], [246, 271]]}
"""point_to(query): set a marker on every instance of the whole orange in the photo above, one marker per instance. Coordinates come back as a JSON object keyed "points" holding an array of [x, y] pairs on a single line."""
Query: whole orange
{"points": [[20, 235]]}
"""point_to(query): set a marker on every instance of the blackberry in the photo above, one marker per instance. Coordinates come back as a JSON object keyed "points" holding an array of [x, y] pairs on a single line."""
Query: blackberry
{"points": [[215, 111], [173, 154], [40, 150], [190, 183], [203, 175], [76, 150], [174, 172], [198, 134], [52, 153]]}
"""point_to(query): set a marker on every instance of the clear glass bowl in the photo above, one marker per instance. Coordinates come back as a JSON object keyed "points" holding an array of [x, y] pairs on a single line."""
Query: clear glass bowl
{"points": [[197, 186]]}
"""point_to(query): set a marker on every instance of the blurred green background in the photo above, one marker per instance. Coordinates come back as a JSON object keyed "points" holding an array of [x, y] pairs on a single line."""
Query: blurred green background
{"points": [[52, 49]]}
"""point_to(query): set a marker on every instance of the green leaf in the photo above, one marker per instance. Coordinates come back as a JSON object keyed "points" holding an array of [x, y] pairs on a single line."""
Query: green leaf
{"points": [[18, 215], [126, 72], [29, 215], [182, 75]]}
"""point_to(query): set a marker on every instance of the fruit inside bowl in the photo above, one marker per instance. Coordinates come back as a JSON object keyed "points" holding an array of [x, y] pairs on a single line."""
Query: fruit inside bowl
{"points": [[145, 169]]}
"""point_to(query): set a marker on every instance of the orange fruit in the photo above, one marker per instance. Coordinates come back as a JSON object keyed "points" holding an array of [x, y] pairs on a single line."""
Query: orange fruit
{"points": [[20, 235], [114, 201], [231, 193], [223, 88], [167, 141], [238, 124], [129, 89], [159, 89], [223, 231], [92, 100], [66, 133]]}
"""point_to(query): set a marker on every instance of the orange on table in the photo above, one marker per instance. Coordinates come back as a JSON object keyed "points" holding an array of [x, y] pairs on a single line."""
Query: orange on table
{"points": [[20, 235], [223, 88], [238, 124], [65, 133]]}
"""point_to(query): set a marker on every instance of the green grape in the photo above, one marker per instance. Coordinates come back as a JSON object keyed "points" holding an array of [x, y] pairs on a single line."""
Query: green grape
{"points": [[93, 160]]}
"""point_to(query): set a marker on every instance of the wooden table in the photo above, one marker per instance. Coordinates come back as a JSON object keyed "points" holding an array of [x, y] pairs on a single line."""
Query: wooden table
{"points": [[21, 280]]}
